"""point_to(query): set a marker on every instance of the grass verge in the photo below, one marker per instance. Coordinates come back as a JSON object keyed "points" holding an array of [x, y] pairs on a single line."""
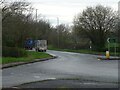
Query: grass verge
{"points": [[85, 51], [31, 56]]}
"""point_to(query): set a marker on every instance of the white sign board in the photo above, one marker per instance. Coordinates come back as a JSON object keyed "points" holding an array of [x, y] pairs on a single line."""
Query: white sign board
{"points": [[108, 40]]}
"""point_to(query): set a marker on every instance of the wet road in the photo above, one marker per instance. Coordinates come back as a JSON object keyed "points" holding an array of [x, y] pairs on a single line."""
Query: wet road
{"points": [[67, 84], [67, 65]]}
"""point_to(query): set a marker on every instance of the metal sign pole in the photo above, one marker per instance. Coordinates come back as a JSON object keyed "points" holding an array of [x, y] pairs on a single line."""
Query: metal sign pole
{"points": [[115, 49], [108, 47], [108, 44]]}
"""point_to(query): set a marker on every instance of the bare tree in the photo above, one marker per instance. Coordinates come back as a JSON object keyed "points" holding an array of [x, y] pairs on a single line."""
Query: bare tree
{"points": [[14, 7], [96, 23]]}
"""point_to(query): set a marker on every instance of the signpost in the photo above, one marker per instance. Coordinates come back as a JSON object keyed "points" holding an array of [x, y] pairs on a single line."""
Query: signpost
{"points": [[108, 40], [112, 40]]}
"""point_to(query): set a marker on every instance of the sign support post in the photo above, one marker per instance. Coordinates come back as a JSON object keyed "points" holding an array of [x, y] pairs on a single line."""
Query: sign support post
{"points": [[115, 48], [108, 40]]}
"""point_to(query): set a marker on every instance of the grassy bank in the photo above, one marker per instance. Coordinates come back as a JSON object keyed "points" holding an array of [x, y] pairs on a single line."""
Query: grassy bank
{"points": [[31, 56], [85, 51]]}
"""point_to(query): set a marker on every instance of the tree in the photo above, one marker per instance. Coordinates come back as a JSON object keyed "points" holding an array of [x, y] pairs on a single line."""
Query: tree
{"points": [[96, 23], [13, 8], [18, 24], [60, 36], [118, 32], [15, 24]]}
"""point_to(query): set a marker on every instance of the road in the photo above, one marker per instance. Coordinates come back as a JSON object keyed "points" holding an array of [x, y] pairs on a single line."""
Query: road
{"points": [[67, 66]]}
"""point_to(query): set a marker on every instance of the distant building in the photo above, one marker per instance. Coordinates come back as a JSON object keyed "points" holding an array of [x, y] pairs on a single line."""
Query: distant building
{"points": [[119, 8]]}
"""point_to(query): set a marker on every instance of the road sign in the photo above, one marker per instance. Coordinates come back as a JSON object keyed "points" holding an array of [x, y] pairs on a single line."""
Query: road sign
{"points": [[108, 40], [112, 40]]}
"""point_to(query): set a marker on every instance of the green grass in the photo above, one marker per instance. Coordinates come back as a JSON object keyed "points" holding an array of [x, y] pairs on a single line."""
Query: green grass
{"points": [[31, 56], [80, 51], [112, 45], [85, 51], [0, 60]]}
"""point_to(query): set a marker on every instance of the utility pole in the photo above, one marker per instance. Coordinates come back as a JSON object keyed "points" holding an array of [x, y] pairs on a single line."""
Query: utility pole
{"points": [[118, 29], [119, 9], [58, 31], [36, 14], [36, 23]]}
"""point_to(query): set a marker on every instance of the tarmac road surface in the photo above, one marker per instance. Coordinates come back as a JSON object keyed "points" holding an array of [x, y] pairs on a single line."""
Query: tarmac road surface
{"points": [[68, 65]]}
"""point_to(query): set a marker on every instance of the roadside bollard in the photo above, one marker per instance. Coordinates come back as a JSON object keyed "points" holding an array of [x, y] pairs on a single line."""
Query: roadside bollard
{"points": [[107, 54]]}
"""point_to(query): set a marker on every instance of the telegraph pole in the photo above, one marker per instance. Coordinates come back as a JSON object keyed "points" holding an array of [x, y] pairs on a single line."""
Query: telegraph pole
{"points": [[119, 9], [58, 31], [36, 23], [118, 29], [36, 14]]}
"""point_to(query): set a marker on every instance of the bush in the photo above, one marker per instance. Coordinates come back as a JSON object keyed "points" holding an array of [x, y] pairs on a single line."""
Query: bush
{"points": [[112, 49], [98, 49], [13, 52]]}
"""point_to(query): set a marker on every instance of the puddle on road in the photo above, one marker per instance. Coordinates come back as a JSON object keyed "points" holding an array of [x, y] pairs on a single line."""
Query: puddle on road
{"points": [[36, 76], [45, 79], [88, 83], [69, 53]]}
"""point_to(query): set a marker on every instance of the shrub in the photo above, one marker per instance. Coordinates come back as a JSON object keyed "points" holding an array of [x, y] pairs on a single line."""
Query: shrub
{"points": [[13, 52]]}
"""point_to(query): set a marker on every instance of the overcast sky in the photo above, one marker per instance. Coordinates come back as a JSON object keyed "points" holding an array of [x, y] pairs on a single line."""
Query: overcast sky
{"points": [[65, 10]]}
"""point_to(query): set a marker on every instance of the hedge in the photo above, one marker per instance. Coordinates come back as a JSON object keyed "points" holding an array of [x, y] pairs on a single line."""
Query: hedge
{"points": [[13, 52]]}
